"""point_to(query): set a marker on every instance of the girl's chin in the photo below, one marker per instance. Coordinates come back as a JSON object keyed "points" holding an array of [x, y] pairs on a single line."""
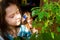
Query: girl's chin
{"points": [[18, 24]]}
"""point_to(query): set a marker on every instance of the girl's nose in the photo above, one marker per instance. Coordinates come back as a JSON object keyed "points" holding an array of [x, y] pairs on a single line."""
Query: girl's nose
{"points": [[18, 16]]}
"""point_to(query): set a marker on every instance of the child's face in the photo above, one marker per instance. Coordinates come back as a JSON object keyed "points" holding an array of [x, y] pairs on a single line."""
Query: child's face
{"points": [[13, 16]]}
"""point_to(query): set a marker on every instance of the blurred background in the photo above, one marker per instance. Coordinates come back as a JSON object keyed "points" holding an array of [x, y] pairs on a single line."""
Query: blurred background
{"points": [[46, 18]]}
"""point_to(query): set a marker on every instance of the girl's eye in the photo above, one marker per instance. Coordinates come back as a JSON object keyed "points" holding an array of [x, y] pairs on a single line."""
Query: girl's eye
{"points": [[12, 16]]}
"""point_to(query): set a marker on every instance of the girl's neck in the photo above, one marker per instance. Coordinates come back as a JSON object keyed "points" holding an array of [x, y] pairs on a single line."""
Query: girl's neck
{"points": [[12, 28]]}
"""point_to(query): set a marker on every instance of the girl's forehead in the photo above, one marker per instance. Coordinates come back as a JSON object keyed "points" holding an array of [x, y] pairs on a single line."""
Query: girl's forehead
{"points": [[11, 9]]}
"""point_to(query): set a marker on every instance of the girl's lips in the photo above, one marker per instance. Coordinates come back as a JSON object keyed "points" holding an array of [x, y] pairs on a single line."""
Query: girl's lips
{"points": [[18, 22]]}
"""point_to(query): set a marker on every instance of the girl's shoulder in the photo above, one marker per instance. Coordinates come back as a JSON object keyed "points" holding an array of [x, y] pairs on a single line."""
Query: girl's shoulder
{"points": [[1, 38]]}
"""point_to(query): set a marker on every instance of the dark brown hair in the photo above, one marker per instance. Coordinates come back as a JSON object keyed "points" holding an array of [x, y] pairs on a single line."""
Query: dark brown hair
{"points": [[4, 5]]}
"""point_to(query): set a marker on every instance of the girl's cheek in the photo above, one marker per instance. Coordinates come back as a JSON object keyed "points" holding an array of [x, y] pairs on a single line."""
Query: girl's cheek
{"points": [[17, 16]]}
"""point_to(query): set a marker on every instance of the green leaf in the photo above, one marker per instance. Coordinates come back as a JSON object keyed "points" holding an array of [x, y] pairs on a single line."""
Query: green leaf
{"points": [[46, 1], [58, 29], [52, 35], [46, 6], [50, 22], [58, 19], [41, 15], [34, 8], [57, 37], [46, 23], [47, 15], [55, 8], [46, 36], [33, 13]]}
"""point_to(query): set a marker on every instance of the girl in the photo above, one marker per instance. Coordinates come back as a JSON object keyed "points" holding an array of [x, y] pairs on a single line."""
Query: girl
{"points": [[27, 19], [10, 20], [25, 25]]}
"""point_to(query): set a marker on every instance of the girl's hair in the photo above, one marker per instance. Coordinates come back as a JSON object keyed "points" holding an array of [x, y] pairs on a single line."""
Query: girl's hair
{"points": [[4, 5], [27, 12]]}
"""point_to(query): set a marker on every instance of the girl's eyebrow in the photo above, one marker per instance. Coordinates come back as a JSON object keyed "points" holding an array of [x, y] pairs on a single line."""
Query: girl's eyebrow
{"points": [[15, 11], [12, 13]]}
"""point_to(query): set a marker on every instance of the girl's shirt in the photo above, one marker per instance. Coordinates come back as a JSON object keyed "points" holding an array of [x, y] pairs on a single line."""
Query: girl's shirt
{"points": [[23, 32], [1, 38]]}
